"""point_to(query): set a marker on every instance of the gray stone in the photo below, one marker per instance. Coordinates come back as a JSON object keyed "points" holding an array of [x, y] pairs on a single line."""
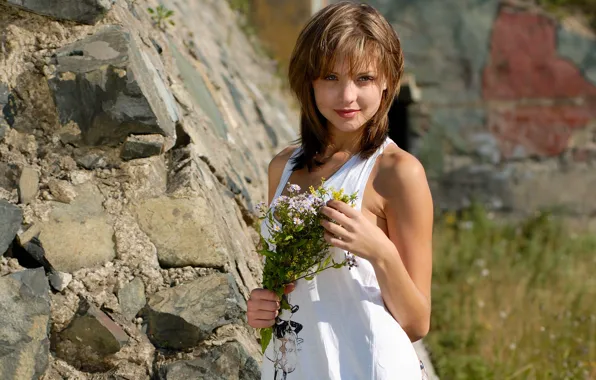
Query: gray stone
{"points": [[438, 46], [197, 87], [229, 361], [8, 107], [183, 316], [580, 50], [84, 11], [28, 185], [142, 146], [91, 160], [4, 91], [111, 88], [4, 127], [184, 231], [25, 314], [59, 280], [61, 190], [9, 176], [11, 218], [78, 235], [90, 339], [479, 183], [132, 298]]}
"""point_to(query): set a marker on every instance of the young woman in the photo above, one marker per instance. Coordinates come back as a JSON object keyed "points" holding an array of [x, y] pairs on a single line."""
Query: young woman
{"points": [[353, 324]]}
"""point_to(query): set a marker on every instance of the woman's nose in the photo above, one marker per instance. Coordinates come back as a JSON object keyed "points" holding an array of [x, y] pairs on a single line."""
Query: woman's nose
{"points": [[348, 91]]}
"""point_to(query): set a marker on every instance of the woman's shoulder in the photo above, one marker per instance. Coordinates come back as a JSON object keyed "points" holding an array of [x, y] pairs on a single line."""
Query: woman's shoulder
{"points": [[278, 162], [399, 168], [276, 168]]}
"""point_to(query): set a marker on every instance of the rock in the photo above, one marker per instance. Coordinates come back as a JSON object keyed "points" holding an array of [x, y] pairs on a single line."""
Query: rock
{"points": [[4, 92], [91, 160], [229, 361], [78, 234], [142, 146], [29, 251], [183, 316], [581, 50], [84, 11], [90, 339], [111, 89], [9, 175], [132, 298], [8, 107], [62, 191], [28, 185], [185, 231], [146, 178], [59, 280], [25, 314], [11, 217]]}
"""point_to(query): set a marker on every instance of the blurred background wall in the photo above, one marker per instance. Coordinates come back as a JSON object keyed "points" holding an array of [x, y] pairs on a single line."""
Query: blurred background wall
{"points": [[507, 98]]}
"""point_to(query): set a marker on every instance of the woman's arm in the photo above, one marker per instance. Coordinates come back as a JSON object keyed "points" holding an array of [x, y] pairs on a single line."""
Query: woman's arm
{"points": [[402, 259], [404, 265]]}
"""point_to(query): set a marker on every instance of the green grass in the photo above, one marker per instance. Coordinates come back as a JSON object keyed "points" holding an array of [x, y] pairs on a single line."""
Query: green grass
{"points": [[563, 7], [512, 300]]}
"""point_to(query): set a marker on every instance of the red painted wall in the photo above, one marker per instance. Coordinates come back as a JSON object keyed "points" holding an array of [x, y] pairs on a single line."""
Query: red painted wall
{"points": [[528, 87]]}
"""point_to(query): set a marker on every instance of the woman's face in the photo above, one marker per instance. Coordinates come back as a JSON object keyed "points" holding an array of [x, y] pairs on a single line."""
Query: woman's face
{"points": [[348, 101]]}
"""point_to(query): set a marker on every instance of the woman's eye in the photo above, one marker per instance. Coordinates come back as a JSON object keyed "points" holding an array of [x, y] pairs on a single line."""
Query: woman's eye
{"points": [[331, 77], [366, 78]]}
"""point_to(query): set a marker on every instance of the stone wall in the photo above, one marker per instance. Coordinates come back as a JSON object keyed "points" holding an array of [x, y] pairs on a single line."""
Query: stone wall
{"points": [[131, 154], [508, 109]]}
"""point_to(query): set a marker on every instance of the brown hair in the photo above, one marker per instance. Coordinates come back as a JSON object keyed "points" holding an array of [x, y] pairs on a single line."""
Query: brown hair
{"points": [[343, 30]]}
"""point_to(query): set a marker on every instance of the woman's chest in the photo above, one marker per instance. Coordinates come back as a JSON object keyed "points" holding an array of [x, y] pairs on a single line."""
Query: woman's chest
{"points": [[372, 206]]}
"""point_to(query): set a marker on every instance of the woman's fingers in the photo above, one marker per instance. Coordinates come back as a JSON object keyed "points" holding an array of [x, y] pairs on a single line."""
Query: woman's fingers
{"points": [[259, 304], [334, 229], [263, 294], [290, 288], [262, 308]]}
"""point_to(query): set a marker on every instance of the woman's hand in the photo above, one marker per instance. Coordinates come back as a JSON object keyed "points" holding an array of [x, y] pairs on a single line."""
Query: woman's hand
{"points": [[352, 231], [263, 307]]}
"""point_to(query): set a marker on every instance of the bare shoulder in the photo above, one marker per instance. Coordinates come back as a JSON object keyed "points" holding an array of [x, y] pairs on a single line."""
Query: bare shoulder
{"points": [[278, 162], [398, 168], [276, 168]]}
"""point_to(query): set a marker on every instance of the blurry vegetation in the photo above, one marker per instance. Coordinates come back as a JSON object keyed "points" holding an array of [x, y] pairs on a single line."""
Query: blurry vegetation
{"points": [[512, 300], [161, 16], [242, 7], [564, 7]]}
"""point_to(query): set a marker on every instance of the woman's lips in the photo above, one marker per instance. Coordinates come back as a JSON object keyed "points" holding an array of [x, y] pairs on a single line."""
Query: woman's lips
{"points": [[347, 114]]}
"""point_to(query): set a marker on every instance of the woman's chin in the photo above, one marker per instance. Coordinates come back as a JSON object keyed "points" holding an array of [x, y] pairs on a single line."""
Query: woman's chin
{"points": [[347, 126]]}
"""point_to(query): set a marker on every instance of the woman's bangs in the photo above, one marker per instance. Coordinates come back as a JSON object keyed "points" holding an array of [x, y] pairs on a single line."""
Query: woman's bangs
{"points": [[362, 55]]}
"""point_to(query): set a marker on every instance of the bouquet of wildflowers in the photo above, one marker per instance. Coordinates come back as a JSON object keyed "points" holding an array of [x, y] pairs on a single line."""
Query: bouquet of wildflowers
{"points": [[295, 248]]}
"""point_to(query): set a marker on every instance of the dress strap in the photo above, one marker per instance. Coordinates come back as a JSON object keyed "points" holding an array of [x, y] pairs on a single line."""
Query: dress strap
{"points": [[364, 174]]}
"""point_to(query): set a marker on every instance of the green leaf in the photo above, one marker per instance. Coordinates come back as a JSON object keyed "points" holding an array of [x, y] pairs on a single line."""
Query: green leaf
{"points": [[172, 22], [284, 305], [266, 335], [289, 237], [169, 13], [309, 278], [150, 10]]}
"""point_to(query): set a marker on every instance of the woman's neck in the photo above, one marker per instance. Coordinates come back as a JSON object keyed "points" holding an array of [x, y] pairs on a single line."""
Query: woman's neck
{"points": [[348, 143]]}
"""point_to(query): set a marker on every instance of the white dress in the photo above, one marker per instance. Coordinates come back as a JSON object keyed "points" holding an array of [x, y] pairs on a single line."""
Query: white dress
{"points": [[339, 327]]}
